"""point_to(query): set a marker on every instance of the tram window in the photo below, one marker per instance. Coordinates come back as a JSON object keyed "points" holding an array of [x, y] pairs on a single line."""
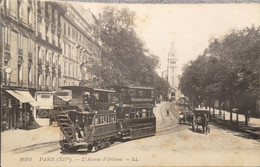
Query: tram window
{"points": [[148, 114], [141, 93], [152, 93], [132, 115], [88, 120], [101, 120], [112, 119], [136, 114], [144, 115], [97, 121]]}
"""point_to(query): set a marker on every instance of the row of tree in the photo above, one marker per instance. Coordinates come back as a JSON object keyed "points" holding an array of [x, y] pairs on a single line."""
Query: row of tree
{"points": [[124, 58], [228, 70]]}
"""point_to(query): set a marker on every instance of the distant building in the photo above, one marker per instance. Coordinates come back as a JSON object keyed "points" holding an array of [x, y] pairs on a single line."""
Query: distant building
{"points": [[171, 74]]}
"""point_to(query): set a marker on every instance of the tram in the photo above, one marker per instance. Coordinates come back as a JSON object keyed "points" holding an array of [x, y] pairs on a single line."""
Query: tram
{"points": [[90, 120], [134, 112], [95, 118]]}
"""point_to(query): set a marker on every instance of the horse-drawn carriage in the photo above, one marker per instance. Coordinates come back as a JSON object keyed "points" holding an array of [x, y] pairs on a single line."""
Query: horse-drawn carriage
{"points": [[185, 117], [201, 118]]}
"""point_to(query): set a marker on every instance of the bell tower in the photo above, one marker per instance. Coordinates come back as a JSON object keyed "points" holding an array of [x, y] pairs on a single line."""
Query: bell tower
{"points": [[172, 68]]}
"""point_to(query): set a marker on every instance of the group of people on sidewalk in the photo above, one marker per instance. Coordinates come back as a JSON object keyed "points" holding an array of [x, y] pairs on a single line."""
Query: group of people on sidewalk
{"points": [[24, 120]]}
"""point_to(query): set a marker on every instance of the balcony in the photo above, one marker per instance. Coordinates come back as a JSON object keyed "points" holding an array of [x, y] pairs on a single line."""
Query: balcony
{"points": [[7, 47], [7, 57], [20, 59]]}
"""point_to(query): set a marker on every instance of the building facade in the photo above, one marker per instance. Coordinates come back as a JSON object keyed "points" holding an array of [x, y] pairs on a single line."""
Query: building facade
{"points": [[44, 45]]}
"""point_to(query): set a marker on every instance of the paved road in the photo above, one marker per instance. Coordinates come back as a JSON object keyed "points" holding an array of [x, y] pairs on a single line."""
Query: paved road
{"points": [[173, 145]]}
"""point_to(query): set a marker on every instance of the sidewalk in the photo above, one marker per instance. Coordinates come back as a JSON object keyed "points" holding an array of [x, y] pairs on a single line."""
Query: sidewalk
{"points": [[253, 126], [13, 139]]}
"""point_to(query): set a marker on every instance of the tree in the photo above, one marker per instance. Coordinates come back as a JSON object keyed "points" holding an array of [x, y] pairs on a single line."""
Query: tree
{"points": [[124, 59], [228, 69]]}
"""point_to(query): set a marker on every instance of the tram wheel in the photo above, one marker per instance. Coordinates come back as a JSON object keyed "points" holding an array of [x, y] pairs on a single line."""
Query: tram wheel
{"points": [[108, 143], [89, 147]]}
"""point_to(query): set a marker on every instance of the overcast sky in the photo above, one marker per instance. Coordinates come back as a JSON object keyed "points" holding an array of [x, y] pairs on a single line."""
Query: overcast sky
{"points": [[189, 26]]}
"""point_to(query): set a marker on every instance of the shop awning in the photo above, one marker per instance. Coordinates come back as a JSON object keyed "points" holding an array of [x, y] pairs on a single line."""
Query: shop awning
{"points": [[23, 97]]}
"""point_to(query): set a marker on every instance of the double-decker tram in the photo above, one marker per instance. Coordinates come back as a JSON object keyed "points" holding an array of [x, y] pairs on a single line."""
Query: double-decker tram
{"points": [[96, 118], [90, 120], [134, 112]]}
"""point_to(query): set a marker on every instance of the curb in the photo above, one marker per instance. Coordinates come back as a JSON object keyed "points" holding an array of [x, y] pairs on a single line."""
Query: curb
{"points": [[234, 127]]}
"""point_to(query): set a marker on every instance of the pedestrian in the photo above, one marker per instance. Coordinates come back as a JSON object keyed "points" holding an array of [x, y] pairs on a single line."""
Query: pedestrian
{"points": [[248, 116], [26, 118], [4, 126], [167, 113], [78, 130]]}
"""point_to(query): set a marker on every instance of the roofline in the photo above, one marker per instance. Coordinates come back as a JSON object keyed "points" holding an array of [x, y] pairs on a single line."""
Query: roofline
{"points": [[85, 88], [134, 87]]}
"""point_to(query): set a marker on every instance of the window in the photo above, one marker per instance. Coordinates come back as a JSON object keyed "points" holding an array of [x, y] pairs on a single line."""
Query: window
{"points": [[6, 35], [58, 60], [29, 16], [19, 9], [64, 31], [172, 62], [29, 45], [64, 49], [20, 73], [68, 69], [173, 70], [20, 41], [73, 33], [64, 67], [69, 52], [29, 74], [6, 3], [53, 82], [68, 31]]}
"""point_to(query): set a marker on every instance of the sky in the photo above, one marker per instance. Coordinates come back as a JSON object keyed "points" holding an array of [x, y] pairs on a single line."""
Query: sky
{"points": [[188, 26]]}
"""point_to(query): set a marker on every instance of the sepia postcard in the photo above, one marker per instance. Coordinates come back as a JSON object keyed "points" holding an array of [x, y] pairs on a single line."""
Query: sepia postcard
{"points": [[129, 83]]}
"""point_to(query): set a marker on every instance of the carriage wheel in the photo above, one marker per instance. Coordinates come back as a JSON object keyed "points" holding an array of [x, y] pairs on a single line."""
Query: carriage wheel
{"points": [[71, 150]]}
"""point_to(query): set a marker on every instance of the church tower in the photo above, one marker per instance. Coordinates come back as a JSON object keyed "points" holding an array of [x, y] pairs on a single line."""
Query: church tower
{"points": [[172, 68]]}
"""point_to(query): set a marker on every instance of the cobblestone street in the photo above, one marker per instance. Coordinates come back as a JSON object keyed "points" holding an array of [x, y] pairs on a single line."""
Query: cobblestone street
{"points": [[173, 144]]}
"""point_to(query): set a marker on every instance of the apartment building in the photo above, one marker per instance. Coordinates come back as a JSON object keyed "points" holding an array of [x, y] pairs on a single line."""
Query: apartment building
{"points": [[44, 45]]}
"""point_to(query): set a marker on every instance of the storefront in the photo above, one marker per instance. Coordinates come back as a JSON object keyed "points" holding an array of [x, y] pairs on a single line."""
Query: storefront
{"points": [[17, 107]]}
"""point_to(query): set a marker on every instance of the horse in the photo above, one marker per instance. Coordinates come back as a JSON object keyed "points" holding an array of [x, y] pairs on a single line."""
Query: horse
{"points": [[201, 120]]}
